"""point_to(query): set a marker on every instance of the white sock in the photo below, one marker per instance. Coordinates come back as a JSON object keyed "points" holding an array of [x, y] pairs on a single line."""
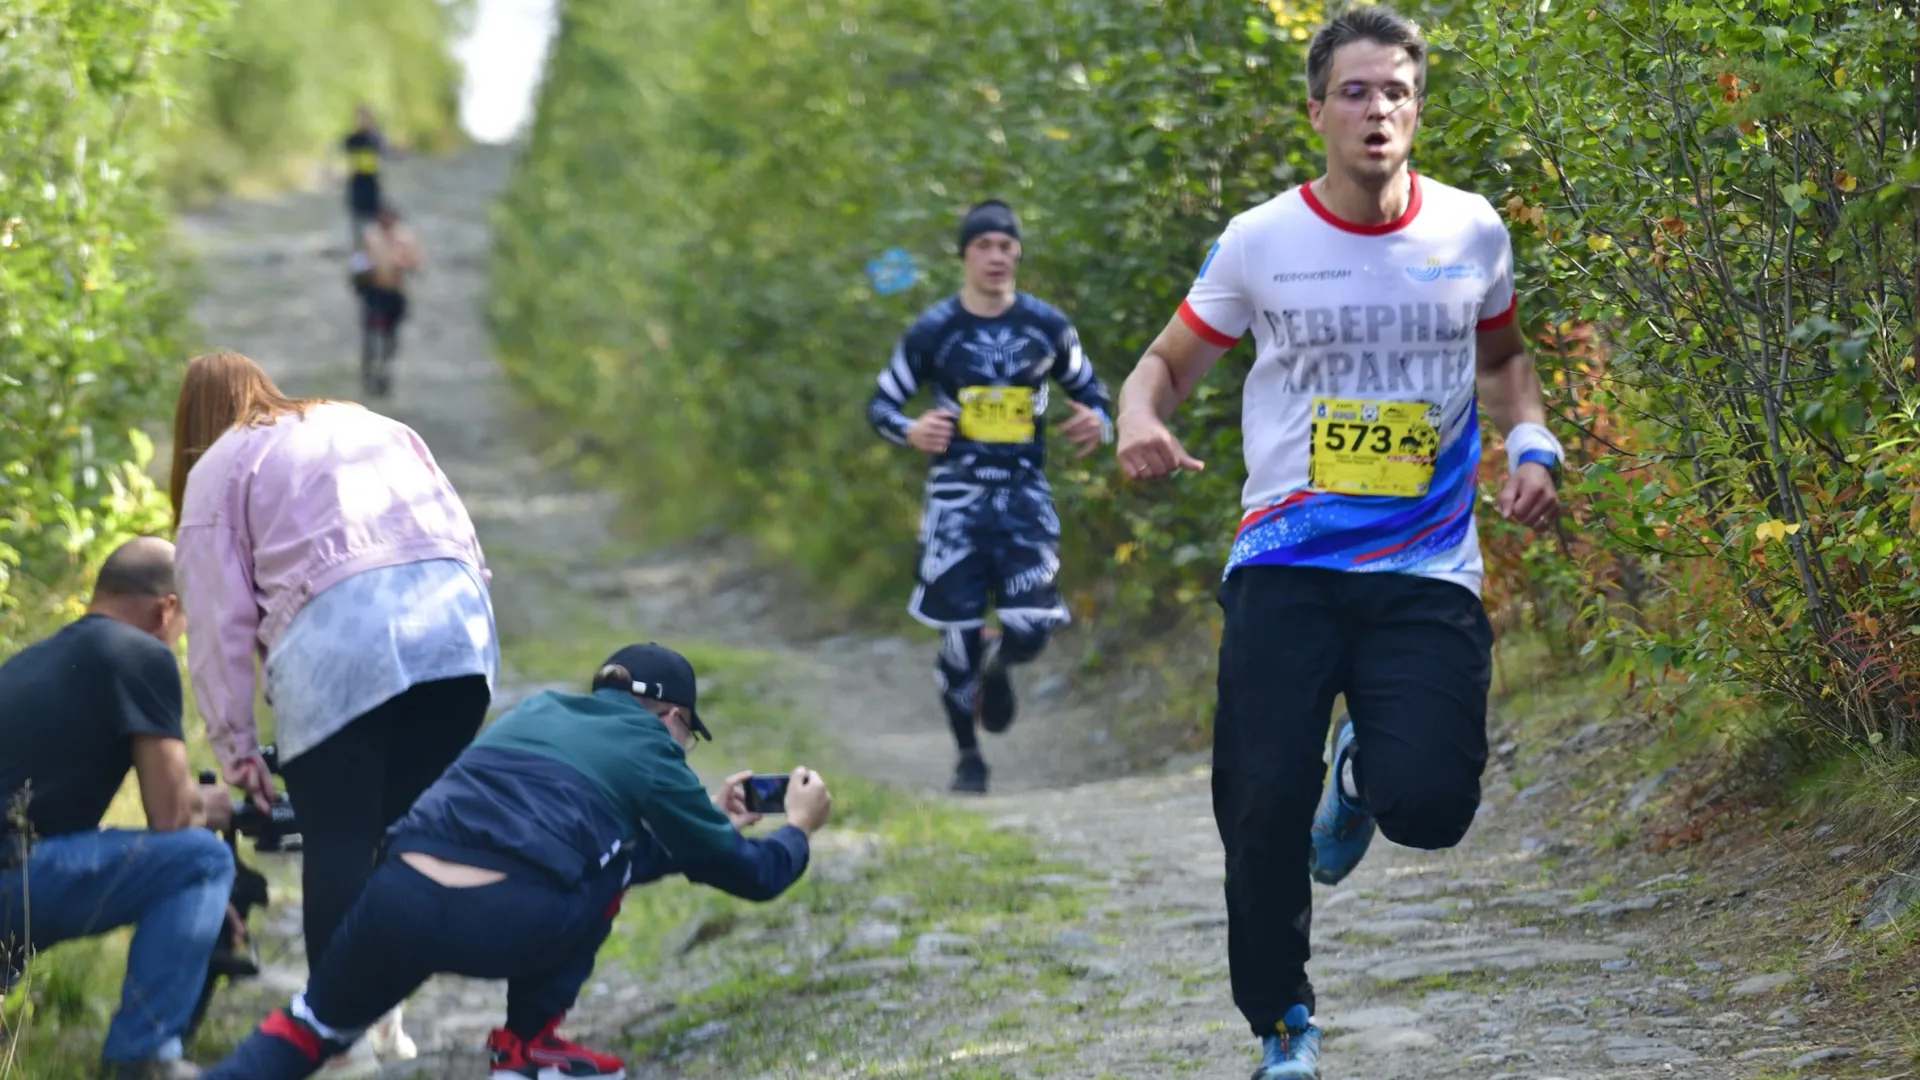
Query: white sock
{"points": [[1347, 787]]}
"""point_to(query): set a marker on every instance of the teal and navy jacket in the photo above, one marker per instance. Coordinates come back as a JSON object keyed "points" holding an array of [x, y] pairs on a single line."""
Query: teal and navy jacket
{"points": [[574, 786]]}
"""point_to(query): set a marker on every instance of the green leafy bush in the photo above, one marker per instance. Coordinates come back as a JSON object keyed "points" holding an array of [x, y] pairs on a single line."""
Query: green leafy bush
{"points": [[1730, 194], [88, 307]]}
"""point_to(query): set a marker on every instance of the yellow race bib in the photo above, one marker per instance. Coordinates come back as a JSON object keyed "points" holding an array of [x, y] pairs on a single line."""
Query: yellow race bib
{"points": [[1373, 447], [363, 160], [997, 414]]}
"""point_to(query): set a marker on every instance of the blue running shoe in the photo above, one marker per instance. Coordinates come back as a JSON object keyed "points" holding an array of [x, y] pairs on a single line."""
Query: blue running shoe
{"points": [[1342, 829], [1294, 1052]]}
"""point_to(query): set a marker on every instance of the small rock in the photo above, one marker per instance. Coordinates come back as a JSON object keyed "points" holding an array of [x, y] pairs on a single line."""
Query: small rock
{"points": [[1894, 898], [1052, 881], [1635, 1050], [937, 944], [1535, 790], [1784, 1017], [1376, 1017], [1100, 969], [1842, 851], [1621, 964], [1195, 922], [1645, 789], [1048, 688], [1603, 909], [1417, 911], [1663, 879], [889, 903], [1707, 965], [1815, 1057], [1759, 985], [708, 1031], [871, 933], [1077, 940]]}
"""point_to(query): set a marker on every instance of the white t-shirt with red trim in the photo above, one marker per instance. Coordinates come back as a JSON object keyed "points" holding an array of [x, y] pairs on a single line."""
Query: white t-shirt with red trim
{"points": [[1358, 417]]}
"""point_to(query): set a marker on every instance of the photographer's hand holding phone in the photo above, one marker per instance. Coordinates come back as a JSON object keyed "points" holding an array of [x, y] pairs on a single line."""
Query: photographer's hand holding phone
{"points": [[809, 803], [801, 795]]}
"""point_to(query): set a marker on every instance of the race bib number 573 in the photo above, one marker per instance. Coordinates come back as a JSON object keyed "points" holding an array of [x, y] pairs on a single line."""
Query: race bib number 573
{"points": [[1373, 447]]}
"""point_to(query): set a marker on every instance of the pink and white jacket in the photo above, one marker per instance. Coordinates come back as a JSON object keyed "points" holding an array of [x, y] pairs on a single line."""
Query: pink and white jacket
{"points": [[273, 515]]}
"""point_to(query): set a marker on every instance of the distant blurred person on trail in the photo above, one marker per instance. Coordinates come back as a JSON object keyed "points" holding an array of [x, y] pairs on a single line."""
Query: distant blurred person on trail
{"points": [[323, 540], [1382, 309], [389, 253], [364, 148], [988, 530]]}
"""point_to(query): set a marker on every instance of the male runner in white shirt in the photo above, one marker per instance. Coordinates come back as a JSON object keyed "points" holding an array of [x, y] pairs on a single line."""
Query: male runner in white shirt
{"points": [[1382, 308]]}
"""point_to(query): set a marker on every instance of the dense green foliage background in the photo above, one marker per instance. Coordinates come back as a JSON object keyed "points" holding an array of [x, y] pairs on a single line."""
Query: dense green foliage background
{"points": [[1711, 212], [111, 105], [273, 91]]}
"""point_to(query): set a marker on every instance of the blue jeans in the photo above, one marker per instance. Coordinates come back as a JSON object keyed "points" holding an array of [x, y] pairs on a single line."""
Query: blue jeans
{"points": [[171, 886]]}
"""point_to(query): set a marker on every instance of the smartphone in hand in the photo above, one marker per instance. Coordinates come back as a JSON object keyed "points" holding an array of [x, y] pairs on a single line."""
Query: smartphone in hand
{"points": [[766, 793]]}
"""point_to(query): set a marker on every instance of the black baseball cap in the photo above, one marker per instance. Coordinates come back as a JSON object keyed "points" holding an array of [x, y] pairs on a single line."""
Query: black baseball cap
{"points": [[656, 672]]}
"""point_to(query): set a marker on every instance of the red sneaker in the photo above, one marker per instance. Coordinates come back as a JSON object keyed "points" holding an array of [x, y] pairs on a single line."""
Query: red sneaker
{"points": [[547, 1056]]}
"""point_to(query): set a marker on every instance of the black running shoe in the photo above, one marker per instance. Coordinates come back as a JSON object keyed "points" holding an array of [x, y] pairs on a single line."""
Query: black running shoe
{"points": [[970, 776], [996, 706]]}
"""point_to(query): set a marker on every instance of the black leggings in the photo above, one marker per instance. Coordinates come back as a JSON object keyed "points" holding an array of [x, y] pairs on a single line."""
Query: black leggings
{"points": [[347, 790]]}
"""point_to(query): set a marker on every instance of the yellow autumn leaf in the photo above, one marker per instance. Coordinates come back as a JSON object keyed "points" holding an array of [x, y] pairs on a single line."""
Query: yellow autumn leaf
{"points": [[1845, 181], [1552, 173], [1124, 553], [1055, 133], [1840, 76], [1598, 243], [1775, 529]]}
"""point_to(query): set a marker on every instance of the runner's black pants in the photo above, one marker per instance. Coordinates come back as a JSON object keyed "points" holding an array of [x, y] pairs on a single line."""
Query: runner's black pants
{"points": [[1413, 657]]}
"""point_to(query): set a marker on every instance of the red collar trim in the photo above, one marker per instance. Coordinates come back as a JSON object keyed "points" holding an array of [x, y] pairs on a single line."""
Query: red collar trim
{"points": [[1406, 216]]}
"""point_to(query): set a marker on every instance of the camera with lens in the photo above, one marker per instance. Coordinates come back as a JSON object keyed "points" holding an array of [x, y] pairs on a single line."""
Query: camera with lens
{"points": [[273, 830]]}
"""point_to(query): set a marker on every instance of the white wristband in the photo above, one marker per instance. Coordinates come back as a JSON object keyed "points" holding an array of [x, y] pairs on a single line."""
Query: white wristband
{"points": [[1531, 436]]}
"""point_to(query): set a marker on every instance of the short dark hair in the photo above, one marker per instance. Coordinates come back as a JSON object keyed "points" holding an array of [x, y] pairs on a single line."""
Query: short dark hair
{"points": [[140, 567], [1363, 22]]}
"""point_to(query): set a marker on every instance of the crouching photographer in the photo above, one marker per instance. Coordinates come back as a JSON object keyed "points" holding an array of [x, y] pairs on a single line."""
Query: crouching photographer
{"points": [[514, 863], [77, 710]]}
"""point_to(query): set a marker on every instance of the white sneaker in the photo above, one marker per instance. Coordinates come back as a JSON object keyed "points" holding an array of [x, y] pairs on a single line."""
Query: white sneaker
{"points": [[388, 1041]]}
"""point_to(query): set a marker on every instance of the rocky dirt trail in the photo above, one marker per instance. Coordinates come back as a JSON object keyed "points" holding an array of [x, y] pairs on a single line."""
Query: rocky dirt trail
{"points": [[1509, 958]]}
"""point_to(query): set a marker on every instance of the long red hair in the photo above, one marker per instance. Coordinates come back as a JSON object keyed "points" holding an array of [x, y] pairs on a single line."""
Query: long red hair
{"points": [[221, 390]]}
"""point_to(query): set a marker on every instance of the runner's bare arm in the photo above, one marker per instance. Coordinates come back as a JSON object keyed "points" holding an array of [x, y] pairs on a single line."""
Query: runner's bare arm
{"points": [[1510, 392], [1172, 366], [1509, 387]]}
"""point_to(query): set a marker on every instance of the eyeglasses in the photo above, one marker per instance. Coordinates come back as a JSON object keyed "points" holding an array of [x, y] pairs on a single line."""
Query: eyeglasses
{"points": [[1359, 95]]}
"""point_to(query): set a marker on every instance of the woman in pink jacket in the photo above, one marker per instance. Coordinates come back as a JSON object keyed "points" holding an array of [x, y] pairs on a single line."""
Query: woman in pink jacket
{"points": [[323, 539]]}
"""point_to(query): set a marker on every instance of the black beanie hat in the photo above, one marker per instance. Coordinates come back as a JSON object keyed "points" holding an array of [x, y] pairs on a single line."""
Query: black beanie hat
{"points": [[990, 216]]}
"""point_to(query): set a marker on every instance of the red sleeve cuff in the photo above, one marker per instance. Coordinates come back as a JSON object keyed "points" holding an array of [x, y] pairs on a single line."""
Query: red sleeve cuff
{"points": [[1199, 326], [1502, 319]]}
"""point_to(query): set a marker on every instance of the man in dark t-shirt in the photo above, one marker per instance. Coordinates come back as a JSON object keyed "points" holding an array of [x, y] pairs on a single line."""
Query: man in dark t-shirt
{"points": [[77, 710], [363, 148]]}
